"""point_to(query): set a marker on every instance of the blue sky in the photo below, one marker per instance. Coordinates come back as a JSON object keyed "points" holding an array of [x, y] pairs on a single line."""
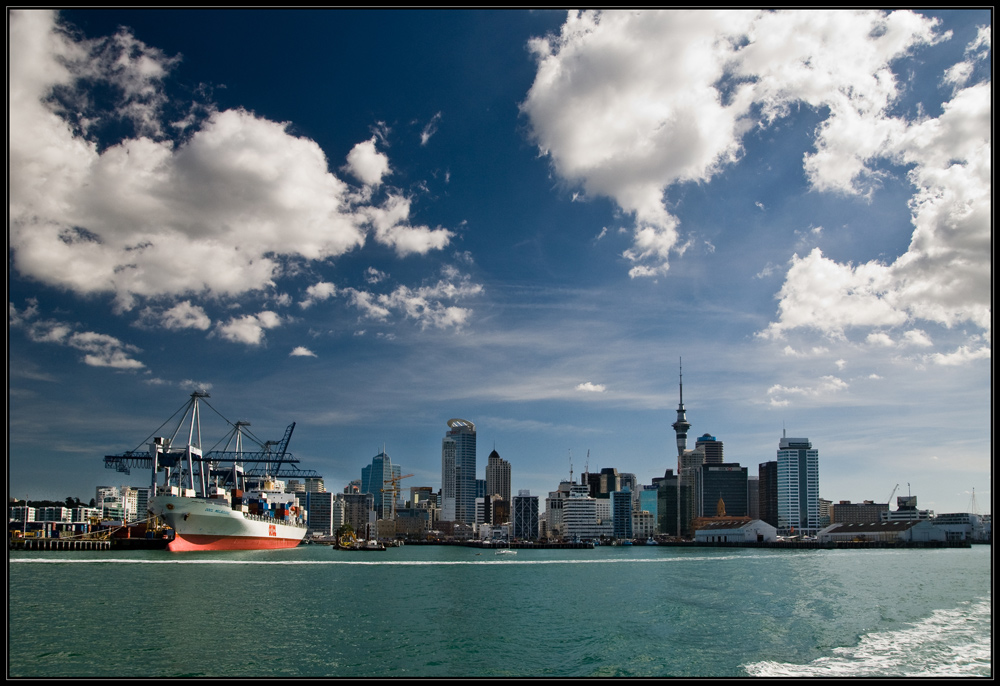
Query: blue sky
{"points": [[370, 222]]}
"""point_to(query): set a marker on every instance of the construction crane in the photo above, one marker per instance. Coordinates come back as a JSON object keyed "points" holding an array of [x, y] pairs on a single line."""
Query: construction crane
{"points": [[394, 482], [892, 494]]}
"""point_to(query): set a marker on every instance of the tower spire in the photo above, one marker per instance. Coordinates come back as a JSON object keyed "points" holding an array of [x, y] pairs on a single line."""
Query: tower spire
{"points": [[682, 425]]}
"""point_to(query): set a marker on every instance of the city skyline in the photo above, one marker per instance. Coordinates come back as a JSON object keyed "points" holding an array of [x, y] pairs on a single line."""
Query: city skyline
{"points": [[369, 222]]}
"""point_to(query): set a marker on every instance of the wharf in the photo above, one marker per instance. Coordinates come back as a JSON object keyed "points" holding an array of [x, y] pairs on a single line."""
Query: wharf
{"points": [[59, 544]]}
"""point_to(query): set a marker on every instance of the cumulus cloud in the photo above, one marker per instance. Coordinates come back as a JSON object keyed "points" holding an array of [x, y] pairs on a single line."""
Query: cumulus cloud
{"points": [[628, 104], [248, 329], [184, 315], [301, 351], [588, 387], [367, 164], [221, 211], [317, 293]]}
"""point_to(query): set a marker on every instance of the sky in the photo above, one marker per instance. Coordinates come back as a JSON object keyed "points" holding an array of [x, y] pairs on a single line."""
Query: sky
{"points": [[371, 222]]}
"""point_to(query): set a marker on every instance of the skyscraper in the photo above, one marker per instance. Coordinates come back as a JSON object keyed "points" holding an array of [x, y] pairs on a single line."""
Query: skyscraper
{"points": [[712, 447], [498, 476], [458, 472], [798, 486], [525, 515], [373, 478]]}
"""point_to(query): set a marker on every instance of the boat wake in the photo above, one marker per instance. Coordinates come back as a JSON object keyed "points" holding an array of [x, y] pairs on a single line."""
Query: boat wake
{"points": [[949, 643]]}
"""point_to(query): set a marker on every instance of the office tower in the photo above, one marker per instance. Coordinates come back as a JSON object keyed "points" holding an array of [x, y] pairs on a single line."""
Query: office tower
{"points": [[727, 481], [498, 476], [621, 514], [319, 512], [712, 447], [667, 509], [458, 472], [373, 480], [524, 515], [798, 486], [767, 494]]}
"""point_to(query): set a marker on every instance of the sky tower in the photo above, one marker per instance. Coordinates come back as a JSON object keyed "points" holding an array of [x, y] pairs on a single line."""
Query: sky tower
{"points": [[682, 425]]}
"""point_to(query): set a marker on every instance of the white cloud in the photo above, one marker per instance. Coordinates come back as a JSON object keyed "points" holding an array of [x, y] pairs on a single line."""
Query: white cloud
{"points": [[429, 305], [589, 387], [430, 130], [917, 338], [301, 351], [367, 164], [184, 315], [390, 222], [220, 212], [881, 339], [317, 293], [628, 104], [249, 329], [101, 349], [962, 355], [821, 389]]}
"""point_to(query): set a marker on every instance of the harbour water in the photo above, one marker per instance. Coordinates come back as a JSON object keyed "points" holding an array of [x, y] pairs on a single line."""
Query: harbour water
{"points": [[443, 611]]}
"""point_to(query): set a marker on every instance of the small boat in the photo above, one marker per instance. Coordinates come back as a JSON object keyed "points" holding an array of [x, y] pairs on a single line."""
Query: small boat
{"points": [[506, 551]]}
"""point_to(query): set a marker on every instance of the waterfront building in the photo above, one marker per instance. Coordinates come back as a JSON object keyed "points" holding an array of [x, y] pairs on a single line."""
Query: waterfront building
{"points": [[554, 507], [648, 498], [798, 487], [621, 514], [907, 531], [726, 480], [23, 513], [319, 513], [962, 526], [373, 480], [667, 509], [524, 515], [498, 476], [712, 447], [643, 524], [735, 530], [413, 522], [767, 494], [580, 518], [906, 510], [458, 472], [53, 514], [846, 512]]}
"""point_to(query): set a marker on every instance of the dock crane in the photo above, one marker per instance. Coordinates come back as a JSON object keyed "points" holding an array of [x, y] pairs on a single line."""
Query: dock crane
{"points": [[394, 487]]}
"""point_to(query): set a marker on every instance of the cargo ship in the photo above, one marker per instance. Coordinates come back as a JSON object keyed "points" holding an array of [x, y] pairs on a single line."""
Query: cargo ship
{"points": [[222, 499]]}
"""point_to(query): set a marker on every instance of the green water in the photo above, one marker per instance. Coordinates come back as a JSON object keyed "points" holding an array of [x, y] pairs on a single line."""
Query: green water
{"points": [[421, 611]]}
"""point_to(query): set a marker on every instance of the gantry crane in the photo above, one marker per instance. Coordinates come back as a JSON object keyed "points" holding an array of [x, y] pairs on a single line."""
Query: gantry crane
{"points": [[394, 487]]}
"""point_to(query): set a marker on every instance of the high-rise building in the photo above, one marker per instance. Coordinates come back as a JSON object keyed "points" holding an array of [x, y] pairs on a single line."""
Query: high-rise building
{"points": [[319, 512], [373, 480], [727, 481], [621, 514], [767, 493], [458, 472], [712, 447], [525, 515], [798, 487], [498, 476]]}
